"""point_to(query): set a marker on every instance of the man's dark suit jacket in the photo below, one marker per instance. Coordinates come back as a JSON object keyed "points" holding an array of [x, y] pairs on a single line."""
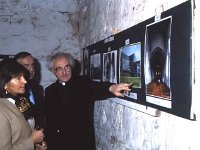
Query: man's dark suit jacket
{"points": [[69, 113], [38, 107]]}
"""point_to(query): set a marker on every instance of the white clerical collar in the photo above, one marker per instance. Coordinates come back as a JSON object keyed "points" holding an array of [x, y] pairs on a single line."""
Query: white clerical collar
{"points": [[63, 83], [11, 100]]}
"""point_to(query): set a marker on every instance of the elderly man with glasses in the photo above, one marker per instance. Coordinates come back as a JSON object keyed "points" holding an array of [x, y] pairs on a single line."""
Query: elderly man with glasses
{"points": [[69, 105]]}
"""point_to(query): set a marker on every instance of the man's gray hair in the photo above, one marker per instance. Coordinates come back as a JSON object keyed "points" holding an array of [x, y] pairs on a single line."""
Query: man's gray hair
{"points": [[58, 55]]}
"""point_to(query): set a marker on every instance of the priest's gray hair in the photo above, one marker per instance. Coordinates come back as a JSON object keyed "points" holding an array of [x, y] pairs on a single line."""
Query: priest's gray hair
{"points": [[58, 55]]}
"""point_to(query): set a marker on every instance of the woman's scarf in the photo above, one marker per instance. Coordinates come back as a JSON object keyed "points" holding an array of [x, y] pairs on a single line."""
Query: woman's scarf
{"points": [[22, 104]]}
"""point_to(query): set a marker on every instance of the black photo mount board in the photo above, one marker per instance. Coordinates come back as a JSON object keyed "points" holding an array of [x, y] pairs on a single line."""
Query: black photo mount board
{"points": [[180, 58]]}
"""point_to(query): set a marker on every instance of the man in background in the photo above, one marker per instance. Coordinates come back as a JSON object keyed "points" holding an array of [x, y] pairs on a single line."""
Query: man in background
{"points": [[34, 91]]}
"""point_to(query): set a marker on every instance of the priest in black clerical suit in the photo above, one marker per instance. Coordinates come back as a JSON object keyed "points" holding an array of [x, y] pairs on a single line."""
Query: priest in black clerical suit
{"points": [[69, 112], [69, 104]]}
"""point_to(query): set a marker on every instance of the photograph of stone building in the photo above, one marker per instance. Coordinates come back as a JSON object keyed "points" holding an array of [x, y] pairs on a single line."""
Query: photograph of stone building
{"points": [[130, 64]]}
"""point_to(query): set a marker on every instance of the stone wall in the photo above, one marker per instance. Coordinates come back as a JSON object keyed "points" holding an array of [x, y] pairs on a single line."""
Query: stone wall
{"points": [[39, 27]]}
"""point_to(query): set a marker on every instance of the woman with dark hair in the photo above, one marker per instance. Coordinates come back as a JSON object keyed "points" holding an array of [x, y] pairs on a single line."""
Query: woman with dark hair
{"points": [[15, 112]]}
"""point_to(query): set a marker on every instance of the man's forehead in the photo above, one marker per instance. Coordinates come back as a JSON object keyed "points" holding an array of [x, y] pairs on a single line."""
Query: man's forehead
{"points": [[26, 60], [61, 60]]}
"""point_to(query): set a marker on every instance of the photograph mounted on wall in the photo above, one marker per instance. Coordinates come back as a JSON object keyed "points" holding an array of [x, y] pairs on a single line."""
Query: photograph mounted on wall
{"points": [[95, 67], [110, 66], [130, 64], [168, 61], [157, 62]]}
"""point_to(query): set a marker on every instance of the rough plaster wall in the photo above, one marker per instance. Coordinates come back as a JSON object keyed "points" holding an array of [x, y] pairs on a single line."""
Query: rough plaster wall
{"points": [[100, 19], [40, 27], [120, 127]]}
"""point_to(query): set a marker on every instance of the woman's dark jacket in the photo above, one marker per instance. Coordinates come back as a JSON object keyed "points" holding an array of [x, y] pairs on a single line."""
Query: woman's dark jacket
{"points": [[69, 113]]}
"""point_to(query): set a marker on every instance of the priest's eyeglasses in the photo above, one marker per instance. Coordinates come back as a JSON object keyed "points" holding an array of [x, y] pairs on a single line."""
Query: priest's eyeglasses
{"points": [[67, 68]]}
